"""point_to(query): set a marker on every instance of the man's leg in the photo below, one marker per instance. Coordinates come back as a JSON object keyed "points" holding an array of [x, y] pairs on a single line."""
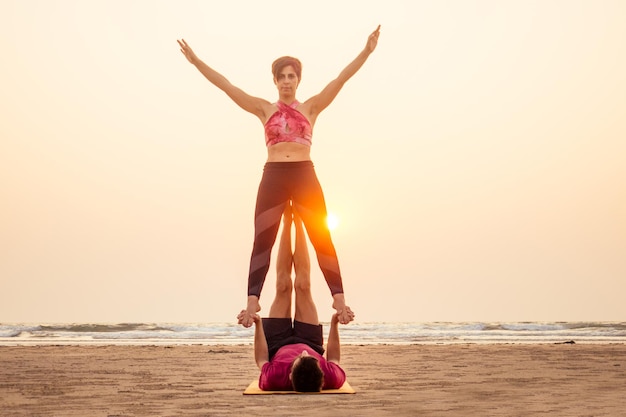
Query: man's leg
{"points": [[306, 311], [277, 326], [281, 306]]}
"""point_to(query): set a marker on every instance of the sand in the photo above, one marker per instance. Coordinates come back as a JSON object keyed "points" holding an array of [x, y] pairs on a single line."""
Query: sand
{"points": [[417, 380]]}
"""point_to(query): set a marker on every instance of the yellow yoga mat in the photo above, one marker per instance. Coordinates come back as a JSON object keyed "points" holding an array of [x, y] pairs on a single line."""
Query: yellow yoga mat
{"points": [[253, 389]]}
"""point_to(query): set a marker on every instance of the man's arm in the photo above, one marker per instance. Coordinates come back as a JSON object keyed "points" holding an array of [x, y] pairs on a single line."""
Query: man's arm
{"points": [[254, 105], [328, 94], [333, 348], [261, 353]]}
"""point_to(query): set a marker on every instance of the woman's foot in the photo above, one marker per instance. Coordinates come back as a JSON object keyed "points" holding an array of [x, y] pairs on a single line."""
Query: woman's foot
{"points": [[246, 317], [344, 313]]}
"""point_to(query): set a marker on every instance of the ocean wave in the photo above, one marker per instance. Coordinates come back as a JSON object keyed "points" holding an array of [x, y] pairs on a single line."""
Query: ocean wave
{"points": [[100, 328], [355, 333]]}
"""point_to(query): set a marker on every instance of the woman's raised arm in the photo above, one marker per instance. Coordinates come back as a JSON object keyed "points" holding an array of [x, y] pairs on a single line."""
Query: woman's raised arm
{"points": [[254, 105], [327, 95]]}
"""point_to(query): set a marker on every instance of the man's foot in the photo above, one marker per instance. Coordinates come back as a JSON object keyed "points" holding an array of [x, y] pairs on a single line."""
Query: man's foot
{"points": [[344, 313], [246, 317]]}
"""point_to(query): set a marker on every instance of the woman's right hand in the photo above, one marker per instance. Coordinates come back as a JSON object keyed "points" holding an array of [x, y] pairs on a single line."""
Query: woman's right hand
{"points": [[187, 51]]}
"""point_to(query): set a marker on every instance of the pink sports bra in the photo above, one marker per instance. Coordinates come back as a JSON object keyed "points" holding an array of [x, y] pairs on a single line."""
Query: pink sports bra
{"points": [[287, 124]]}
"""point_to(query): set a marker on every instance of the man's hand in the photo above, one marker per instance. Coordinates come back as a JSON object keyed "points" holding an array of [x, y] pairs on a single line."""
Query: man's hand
{"points": [[246, 317], [254, 318], [344, 313], [345, 316]]}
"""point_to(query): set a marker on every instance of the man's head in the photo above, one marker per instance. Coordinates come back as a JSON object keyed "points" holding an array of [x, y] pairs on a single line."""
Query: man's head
{"points": [[306, 374]]}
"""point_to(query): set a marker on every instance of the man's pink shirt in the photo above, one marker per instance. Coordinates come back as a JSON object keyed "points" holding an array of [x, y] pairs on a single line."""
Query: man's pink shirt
{"points": [[275, 374]]}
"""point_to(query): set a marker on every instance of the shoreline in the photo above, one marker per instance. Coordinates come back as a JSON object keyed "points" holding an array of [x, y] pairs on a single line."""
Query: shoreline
{"points": [[396, 380], [358, 333], [170, 343]]}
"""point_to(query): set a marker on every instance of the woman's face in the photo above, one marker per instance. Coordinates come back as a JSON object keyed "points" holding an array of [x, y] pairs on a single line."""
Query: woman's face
{"points": [[287, 81]]}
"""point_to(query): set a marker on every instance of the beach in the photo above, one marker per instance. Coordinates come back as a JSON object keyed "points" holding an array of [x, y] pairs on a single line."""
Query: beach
{"points": [[425, 380]]}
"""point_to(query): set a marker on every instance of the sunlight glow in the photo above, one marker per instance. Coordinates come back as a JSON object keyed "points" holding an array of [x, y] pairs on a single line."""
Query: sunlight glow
{"points": [[332, 221]]}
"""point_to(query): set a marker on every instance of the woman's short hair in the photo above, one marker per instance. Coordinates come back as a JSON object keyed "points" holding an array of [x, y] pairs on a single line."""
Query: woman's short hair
{"points": [[285, 61]]}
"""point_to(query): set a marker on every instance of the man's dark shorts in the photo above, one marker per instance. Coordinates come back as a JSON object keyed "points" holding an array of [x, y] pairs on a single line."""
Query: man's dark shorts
{"points": [[280, 332]]}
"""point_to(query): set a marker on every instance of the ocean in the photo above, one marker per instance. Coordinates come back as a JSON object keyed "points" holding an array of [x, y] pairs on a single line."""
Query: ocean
{"points": [[355, 333]]}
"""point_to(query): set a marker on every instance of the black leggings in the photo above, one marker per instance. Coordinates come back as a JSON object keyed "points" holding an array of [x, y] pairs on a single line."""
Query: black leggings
{"points": [[281, 182]]}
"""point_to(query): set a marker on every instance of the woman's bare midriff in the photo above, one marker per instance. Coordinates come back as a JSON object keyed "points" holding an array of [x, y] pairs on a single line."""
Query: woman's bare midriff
{"points": [[288, 152]]}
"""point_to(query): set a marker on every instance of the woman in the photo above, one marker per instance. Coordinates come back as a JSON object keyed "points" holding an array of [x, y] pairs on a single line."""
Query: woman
{"points": [[288, 173]]}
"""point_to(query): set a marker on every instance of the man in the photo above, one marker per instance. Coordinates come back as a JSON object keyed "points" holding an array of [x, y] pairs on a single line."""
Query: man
{"points": [[290, 354]]}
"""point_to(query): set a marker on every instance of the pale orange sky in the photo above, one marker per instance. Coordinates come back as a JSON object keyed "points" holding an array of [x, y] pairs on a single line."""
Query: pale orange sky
{"points": [[476, 162]]}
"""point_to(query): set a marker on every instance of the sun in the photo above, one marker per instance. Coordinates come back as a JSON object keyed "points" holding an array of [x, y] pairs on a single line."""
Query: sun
{"points": [[332, 221]]}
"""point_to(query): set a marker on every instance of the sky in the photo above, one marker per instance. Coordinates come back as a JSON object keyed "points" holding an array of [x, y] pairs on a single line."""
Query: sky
{"points": [[475, 162]]}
